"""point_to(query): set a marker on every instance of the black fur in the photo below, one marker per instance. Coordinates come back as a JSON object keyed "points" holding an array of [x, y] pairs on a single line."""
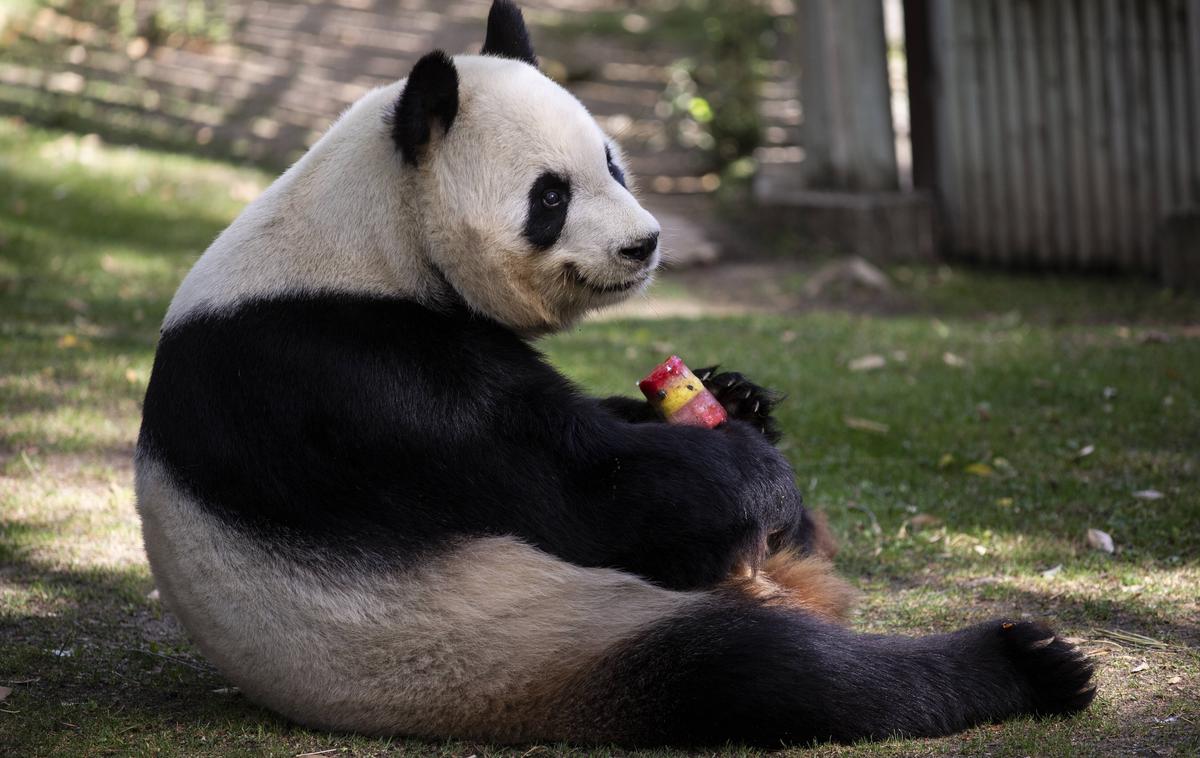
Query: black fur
{"points": [[631, 409], [744, 400], [743, 672], [507, 36], [544, 224], [383, 429], [430, 94]]}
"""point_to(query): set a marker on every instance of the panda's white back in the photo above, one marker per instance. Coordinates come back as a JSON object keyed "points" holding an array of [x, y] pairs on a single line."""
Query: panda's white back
{"points": [[318, 228]]}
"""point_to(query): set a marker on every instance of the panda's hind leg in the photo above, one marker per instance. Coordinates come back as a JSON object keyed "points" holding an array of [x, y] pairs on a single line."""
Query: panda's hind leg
{"points": [[746, 671]]}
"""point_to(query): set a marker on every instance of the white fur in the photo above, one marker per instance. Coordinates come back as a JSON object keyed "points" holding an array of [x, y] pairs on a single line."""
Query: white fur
{"points": [[351, 216], [482, 642]]}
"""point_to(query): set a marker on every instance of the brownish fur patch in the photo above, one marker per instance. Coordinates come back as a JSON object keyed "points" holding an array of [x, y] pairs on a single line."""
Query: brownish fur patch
{"points": [[807, 582]]}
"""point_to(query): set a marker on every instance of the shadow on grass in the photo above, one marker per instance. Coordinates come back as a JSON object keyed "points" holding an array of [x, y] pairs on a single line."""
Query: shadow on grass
{"points": [[89, 657], [1125, 614]]}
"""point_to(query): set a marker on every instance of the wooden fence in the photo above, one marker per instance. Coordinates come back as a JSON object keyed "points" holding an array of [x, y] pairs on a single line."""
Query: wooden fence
{"points": [[1056, 133]]}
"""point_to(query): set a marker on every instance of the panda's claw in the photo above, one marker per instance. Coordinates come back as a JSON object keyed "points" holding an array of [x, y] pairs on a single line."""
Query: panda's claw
{"points": [[743, 400], [1056, 674]]}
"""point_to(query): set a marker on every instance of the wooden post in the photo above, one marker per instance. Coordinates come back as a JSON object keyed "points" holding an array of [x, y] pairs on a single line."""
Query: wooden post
{"points": [[918, 46], [847, 132]]}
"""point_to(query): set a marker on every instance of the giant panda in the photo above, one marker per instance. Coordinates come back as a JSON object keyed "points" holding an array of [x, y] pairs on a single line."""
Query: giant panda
{"points": [[375, 507]]}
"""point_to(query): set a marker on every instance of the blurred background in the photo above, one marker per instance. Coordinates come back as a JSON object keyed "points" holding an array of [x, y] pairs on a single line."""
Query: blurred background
{"points": [[1045, 135], [961, 235]]}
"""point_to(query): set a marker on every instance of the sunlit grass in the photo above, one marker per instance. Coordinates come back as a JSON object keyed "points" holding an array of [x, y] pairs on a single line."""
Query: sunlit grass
{"points": [[1019, 412]]}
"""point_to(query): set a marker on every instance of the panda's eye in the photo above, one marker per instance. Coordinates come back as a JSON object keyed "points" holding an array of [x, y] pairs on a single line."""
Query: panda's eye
{"points": [[552, 198]]}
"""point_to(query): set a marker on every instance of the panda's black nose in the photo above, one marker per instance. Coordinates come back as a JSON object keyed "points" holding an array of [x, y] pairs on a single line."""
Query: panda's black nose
{"points": [[644, 248]]}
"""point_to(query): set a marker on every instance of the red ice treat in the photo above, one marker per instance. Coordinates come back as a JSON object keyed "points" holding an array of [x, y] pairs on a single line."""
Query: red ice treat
{"points": [[680, 397]]}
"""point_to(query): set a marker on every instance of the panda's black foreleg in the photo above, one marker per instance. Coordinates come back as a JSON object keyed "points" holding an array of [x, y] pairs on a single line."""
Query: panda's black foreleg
{"points": [[682, 506], [768, 676], [630, 409]]}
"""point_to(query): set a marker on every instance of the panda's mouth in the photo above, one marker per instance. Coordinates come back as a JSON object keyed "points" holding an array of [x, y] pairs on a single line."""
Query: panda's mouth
{"points": [[604, 289]]}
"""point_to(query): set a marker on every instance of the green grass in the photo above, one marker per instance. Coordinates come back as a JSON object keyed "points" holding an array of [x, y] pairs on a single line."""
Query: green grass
{"points": [[1019, 374]]}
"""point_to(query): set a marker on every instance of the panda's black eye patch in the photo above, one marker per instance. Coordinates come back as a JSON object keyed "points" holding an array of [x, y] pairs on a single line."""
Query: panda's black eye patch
{"points": [[613, 169], [548, 200]]}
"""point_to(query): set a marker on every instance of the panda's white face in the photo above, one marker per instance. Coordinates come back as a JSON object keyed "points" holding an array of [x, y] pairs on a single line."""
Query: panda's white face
{"points": [[526, 206]]}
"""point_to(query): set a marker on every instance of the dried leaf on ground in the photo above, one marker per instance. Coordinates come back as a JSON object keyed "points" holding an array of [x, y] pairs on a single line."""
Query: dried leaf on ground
{"points": [[866, 425], [922, 520], [954, 361], [870, 362], [1149, 495], [1100, 540], [1002, 464], [1140, 667], [4, 693], [980, 469], [1132, 638]]}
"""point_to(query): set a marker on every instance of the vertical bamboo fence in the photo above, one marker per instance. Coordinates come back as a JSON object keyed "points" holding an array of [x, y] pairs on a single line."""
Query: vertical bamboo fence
{"points": [[1063, 132]]}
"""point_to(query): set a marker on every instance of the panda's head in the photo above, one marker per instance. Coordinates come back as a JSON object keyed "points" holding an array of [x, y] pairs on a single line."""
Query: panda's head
{"points": [[523, 198]]}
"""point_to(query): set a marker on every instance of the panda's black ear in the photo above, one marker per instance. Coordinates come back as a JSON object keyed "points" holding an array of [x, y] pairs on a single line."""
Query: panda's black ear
{"points": [[507, 36], [430, 94]]}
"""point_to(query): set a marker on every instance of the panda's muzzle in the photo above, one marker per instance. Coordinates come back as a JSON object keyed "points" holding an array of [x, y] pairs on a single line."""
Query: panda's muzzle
{"points": [[604, 289]]}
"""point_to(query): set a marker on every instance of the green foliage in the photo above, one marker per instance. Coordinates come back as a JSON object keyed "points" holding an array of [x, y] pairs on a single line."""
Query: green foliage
{"points": [[713, 94], [711, 100]]}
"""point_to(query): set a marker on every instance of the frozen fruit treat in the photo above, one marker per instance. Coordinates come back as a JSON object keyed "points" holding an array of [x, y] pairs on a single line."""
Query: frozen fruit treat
{"points": [[680, 397]]}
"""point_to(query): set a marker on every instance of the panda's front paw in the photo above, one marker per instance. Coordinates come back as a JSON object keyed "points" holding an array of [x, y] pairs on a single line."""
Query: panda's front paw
{"points": [[743, 399], [1057, 674]]}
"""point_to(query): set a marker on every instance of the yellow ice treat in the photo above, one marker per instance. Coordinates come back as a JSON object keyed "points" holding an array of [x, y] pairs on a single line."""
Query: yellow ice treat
{"points": [[679, 391]]}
